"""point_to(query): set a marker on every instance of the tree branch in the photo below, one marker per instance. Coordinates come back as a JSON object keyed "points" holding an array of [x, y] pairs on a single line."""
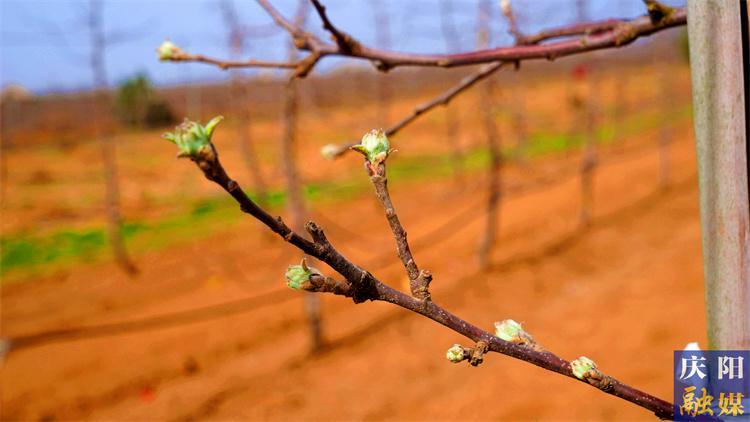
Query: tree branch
{"points": [[334, 151], [361, 286], [345, 42], [419, 281], [183, 56], [610, 33], [507, 9]]}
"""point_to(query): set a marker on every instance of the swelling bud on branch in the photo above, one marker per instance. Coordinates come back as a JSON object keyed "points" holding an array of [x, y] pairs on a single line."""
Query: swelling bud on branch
{"points": [[168, 51], [194, 139], [375, 147], [456, 353], [510, 330], [582, 367], [297, 276]]}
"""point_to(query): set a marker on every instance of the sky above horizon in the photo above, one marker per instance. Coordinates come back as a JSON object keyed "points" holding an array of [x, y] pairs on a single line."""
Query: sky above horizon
{"points": [[44, 44]]}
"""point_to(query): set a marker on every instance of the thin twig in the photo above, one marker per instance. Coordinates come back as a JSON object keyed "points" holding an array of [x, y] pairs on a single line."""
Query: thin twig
{"points": [[346, 43], [419, 281], [228, 64], [581, 28], [507, 9], [441, 100]]}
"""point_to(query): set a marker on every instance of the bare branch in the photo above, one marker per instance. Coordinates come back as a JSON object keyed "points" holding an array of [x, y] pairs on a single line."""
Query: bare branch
{"points": [[581, 28], [280, 20], [419, 281], [443, 99], [346, 43], [657, 11], [362, 286], [610, 33], [228, 64], [507, 10]]}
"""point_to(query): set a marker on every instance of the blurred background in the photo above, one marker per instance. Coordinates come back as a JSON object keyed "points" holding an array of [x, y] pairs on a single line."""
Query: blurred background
{"points": [[132, 288]]}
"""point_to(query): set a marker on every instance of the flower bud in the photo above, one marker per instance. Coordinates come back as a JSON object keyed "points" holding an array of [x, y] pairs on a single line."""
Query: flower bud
{"points": [[455, 354], [582, 367], [168, 50], [329, 151], [298, 275], [194, 139], [374, 146], [508, 330]]}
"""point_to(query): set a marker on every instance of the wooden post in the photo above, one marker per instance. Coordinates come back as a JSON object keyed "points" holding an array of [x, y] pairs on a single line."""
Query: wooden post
{"points": [[718, 53]]}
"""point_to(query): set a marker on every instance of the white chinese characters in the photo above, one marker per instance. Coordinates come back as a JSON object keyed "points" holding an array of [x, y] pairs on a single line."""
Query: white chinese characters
{"points": [[731, 367], [692, 366]]}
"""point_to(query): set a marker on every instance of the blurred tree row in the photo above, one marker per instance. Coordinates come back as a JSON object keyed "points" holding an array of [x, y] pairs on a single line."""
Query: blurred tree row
{"points": [[139, 106]]}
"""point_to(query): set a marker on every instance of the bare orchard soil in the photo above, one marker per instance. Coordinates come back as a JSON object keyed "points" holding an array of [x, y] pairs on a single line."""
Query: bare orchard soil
{"points": [[625, 292]]}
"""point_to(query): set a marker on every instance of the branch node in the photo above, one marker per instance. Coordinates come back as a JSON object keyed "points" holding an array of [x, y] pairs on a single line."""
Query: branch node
{"points": [[422, 288], [317, 233], [477, 353], [657, 11], [306, 65], [382, 65]]}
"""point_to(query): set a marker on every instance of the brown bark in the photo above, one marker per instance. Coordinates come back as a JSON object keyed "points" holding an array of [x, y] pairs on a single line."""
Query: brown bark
{"points": [[419, 281]]}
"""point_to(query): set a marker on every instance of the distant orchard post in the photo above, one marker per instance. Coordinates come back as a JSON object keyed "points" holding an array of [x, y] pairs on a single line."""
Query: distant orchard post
{"points": [[718, 55]]}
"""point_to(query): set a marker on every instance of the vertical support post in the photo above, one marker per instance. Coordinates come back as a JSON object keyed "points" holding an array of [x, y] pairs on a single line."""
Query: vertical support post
{"points": [[717, 60]]}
